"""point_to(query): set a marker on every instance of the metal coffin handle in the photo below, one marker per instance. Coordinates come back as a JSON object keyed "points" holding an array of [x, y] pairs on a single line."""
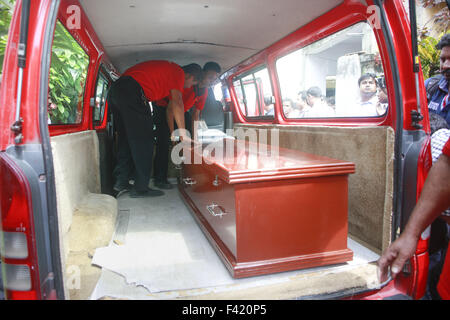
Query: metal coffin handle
{"points": [[213, 212], [216, 181], [189, 181], [179, 166]]}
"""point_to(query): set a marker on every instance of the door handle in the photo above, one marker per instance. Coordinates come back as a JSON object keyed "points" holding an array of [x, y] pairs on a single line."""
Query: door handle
{"points": [[216, 181], [189, 181], [179, 166], [213, 208]]}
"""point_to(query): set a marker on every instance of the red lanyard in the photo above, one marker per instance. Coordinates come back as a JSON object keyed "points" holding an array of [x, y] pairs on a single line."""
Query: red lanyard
{"points": [[444, 102]]}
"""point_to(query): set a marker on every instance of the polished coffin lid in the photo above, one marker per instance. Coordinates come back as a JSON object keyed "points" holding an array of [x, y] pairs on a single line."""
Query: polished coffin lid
{"points": [[238, 161]]}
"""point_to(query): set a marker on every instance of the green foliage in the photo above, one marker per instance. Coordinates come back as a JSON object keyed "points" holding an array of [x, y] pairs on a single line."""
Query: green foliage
{"points": [[6, 10], [68, 71], [429, 55], [441, 20]]}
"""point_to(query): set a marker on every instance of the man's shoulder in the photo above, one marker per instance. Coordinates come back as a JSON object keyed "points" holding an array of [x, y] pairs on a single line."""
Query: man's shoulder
{"points": [[433, 83], [438, 140], [433, 87], [370, 102], [155, 65]]}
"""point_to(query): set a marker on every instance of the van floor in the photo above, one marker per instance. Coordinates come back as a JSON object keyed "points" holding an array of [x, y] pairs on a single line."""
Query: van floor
{"points": [[159, 252]]}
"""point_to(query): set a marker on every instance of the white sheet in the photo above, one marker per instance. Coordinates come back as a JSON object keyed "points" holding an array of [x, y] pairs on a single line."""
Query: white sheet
{"points": [[164, 251]]}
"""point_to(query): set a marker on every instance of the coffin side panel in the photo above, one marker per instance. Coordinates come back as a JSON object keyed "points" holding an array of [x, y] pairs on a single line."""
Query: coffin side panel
{"points": [[291, 218]]}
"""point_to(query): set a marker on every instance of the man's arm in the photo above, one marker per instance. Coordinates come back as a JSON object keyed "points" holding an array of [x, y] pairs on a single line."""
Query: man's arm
{"points": [[434, 199], [195, 118], [175, 110]]}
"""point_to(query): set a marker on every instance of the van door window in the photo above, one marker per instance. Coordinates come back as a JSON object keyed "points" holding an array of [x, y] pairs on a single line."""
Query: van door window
{"points": [[68, 70], [218, 94], [240, 96], [6, 11], [254, 94], [100, 98], [338, 76], [251, 96]]}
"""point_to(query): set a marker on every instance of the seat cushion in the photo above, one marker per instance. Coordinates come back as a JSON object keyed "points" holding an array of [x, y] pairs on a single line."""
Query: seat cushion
{"points": [[93, 222]]}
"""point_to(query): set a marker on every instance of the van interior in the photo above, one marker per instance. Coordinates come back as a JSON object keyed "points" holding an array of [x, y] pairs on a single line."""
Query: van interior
{"points": [[152, 248]]}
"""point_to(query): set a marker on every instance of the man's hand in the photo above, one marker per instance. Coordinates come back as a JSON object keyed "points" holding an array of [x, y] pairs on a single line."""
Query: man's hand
{"points": [[396, 256], [183, 138], [186, 139], [434, 199], [194, 124], [175, 110]]}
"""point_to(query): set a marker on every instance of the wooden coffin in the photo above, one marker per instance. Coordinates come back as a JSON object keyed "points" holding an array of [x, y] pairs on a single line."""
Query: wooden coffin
{"points": [[266, 212]]}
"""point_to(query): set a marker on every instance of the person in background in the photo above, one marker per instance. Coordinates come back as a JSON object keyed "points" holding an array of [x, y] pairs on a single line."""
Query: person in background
{"points": [[433, 200], [289, 110], [317, 107], [300, 102], [197, 95], [440, 231], [193, 98], [269, 109], [331, 102], [128, 98], [438, 87], [369, 103]]}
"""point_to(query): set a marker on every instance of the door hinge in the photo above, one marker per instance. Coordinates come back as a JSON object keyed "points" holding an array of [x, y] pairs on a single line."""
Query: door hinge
{"points": [[416, 117], [17, 127]]}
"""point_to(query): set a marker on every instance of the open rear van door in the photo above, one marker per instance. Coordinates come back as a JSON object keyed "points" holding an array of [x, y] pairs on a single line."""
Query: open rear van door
{"points": [[29, 226], [103, 124]]}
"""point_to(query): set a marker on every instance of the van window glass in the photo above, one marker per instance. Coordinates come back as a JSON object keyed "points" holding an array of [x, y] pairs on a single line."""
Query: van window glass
{"points": [[68, 70], [338, 76], [6, 11], [100, 97], [218, 92], [240, 96], [255, 100], [251, 96]]}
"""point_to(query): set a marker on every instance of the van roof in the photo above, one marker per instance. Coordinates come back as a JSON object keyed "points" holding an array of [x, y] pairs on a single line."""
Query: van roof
{"points": [[186, 31]]}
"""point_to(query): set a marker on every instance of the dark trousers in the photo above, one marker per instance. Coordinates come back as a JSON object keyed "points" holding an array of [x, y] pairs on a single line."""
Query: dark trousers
{"points": [[134, 124], [162, 132], [437, 250]]}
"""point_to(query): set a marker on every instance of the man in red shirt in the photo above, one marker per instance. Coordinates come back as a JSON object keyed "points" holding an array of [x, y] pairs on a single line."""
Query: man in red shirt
{"points": [[128, 98], [197, 94], [194, 96], [434, 199]]}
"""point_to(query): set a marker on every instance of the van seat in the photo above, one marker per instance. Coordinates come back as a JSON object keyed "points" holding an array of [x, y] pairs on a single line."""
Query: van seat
{"points": [[86, 217], [92, 222]]}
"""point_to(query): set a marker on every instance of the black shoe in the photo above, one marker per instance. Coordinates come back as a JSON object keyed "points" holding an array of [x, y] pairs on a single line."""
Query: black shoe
{"points": [[147, 193], [161, 184], [121, 186], [119, 193]]}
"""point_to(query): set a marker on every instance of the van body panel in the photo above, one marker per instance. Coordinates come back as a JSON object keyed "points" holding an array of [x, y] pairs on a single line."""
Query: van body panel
{"points": [[29, 159], [84, 34], [31, 79], [302, 37], [160, 29]]}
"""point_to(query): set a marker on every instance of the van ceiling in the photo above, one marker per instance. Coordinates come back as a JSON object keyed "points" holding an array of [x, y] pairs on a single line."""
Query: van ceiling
{"points": [[186, 31]]}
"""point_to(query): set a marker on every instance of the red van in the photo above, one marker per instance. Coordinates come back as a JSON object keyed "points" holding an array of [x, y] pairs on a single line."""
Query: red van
{"points": [[58, 140]]}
